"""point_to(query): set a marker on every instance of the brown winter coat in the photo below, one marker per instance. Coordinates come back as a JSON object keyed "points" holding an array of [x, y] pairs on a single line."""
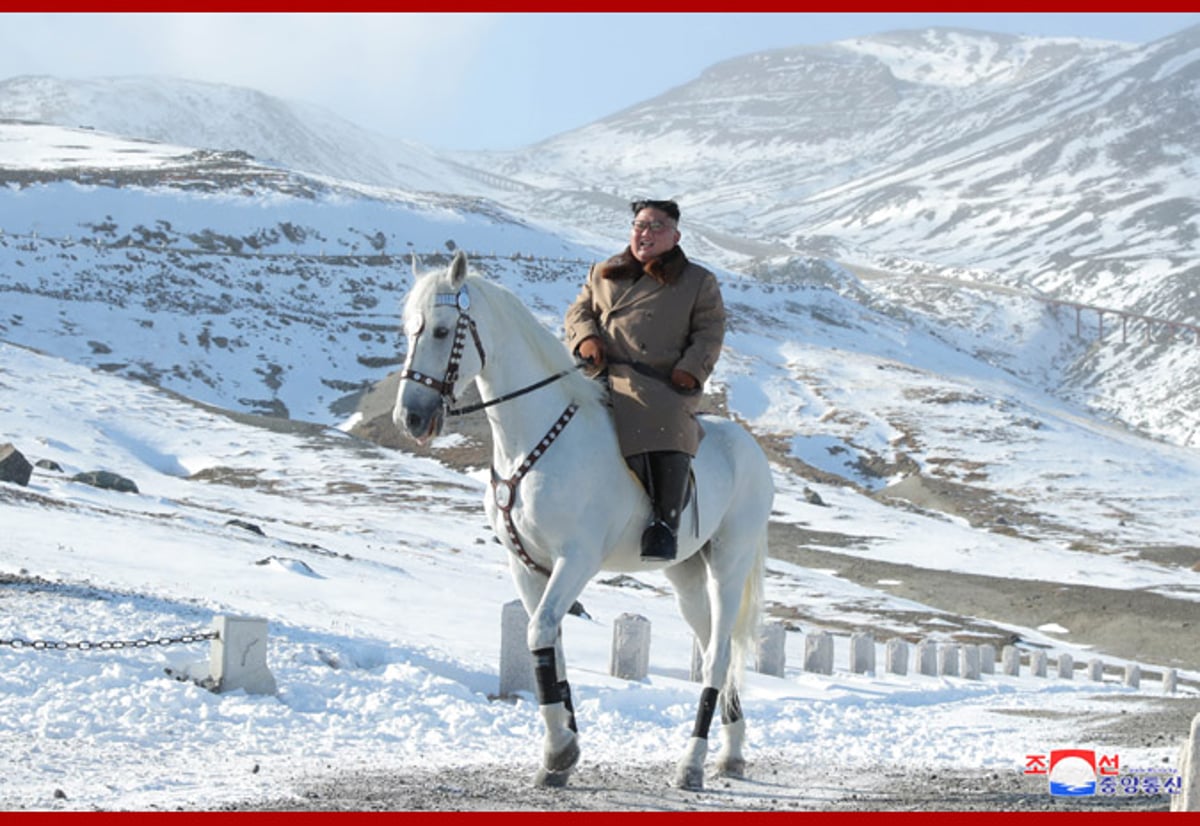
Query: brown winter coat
{"points": [[652, 321]]}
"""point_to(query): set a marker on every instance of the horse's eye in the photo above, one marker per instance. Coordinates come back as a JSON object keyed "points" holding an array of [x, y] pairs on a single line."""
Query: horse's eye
{"points": [[441, 332]]}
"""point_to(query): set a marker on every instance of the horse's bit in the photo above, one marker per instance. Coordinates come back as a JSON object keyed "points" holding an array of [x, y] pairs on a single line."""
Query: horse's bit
{"points": [[504, 491]]}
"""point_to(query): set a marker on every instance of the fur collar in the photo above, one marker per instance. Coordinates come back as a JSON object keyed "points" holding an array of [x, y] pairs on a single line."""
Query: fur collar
{"points": [[665, 269]]}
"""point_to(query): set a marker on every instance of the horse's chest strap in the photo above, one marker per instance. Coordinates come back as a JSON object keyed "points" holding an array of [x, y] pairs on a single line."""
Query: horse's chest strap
{"points": [[504, 491]]}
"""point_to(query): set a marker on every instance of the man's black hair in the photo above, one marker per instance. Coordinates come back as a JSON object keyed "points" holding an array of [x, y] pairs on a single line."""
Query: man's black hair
{"points": [[669, 207]]}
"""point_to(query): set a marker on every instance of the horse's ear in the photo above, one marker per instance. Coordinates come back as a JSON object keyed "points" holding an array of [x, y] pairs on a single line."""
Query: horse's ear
{"points": [[413, 263], [458, 269]]}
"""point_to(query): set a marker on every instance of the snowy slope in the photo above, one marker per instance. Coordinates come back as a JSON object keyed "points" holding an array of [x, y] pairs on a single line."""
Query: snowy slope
{"points": [[233, 283], [383, 591], [290, 134]]}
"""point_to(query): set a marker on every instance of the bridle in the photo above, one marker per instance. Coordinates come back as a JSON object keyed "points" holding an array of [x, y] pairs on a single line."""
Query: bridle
{"points": [[504, 491], [461, 301], [416, 326]]}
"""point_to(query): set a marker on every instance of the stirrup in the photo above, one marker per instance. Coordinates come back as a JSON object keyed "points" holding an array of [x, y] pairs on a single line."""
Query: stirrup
{"points": [[658, 542]]}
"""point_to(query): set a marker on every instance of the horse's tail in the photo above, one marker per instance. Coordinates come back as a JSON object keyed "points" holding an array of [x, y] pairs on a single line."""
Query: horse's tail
{"points": [[746, 626]]}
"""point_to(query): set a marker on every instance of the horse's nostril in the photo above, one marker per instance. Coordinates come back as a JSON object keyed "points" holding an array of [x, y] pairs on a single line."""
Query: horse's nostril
{"points": [[414, 422]]}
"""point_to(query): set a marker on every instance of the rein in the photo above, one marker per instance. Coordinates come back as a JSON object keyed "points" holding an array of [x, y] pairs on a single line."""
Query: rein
{"points": [[473, 408]]}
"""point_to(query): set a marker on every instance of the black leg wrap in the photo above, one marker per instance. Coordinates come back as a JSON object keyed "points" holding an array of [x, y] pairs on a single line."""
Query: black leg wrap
{"points": [[564, 691], [704, 714], [731, 709], [545, 677]]}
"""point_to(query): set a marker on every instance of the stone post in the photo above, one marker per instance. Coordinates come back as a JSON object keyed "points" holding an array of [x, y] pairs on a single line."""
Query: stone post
{"points": [[630, 647], [862, 653], [772, 654], [1133, 675], [1066, 667], [1010, 661], [239, 655], [968, 662], [516, 663], [927, 658], [948, 660], [987, 658], [897, 656], [818, 653]]}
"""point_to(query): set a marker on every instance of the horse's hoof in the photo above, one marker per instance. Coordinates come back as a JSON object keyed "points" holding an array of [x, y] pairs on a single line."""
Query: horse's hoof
{"points": [[546, 779], [565, 759], [690, 779], [733, 767]]}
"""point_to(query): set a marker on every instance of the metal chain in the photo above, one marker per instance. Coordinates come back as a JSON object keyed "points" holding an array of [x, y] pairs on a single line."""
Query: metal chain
{"points": [[109, 645]]}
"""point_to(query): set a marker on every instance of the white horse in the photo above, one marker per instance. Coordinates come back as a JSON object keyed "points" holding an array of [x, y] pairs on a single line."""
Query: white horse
{"points": [[565, 504]]}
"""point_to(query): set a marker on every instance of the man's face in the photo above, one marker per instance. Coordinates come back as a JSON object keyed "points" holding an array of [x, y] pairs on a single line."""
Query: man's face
{"points": [[653, 233]]}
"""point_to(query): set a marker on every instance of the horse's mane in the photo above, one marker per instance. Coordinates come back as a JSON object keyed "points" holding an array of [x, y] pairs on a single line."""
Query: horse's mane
{"points": [[508, 313], [511, 315]]}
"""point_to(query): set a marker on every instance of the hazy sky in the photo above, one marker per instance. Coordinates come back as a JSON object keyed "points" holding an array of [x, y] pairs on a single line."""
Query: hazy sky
{"points": [[473, 80]]}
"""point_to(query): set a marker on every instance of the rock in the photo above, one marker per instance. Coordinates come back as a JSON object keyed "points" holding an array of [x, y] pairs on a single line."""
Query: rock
{"points": [[48, 464], [246, 526], [106, 480], [14, 467]]}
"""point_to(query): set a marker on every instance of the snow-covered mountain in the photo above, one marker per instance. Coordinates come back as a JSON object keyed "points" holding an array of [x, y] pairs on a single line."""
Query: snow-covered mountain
{"points": [[1060, 164], [288, 134], [1064, 165], [1055, 167]]}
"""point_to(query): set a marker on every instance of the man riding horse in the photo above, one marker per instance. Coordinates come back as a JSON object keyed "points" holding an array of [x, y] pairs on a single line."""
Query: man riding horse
{"points": [[555, 444], [653, 322]]}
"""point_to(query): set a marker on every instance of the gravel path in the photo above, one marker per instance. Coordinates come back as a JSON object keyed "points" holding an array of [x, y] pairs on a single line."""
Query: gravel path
{"points": [[773, 784]]}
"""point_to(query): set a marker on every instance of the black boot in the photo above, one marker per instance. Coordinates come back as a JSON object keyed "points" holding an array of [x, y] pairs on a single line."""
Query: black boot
{"points": [[669, 477]]}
